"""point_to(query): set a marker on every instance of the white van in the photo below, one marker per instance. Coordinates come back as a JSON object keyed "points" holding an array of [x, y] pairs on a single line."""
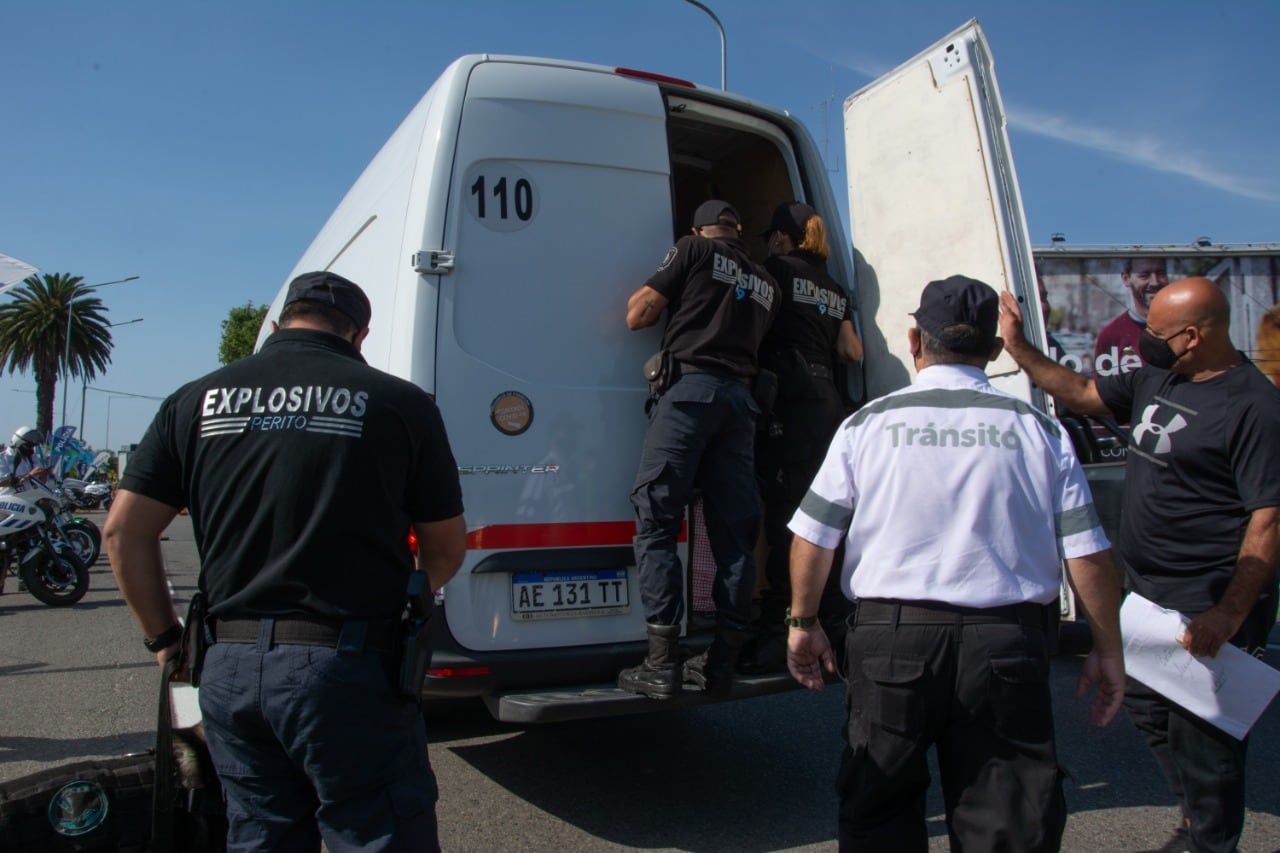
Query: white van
{"points": [[499, 233]]}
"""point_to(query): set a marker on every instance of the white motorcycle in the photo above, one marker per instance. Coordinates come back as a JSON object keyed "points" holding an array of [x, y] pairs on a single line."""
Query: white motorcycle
{"points": [[82, 494], [32, 546], [80, 533]]}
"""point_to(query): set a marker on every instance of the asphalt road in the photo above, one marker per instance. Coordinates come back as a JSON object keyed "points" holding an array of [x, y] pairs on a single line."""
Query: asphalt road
{"points": [[744, 776]]}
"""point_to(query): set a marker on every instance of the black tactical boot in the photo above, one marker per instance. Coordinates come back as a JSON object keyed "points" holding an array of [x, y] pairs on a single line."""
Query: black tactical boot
{"points": [[658, 676], [712, 671]]}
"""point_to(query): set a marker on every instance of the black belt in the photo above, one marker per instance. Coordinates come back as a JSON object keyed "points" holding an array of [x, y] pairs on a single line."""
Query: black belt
{"points": [[889, 612], [684, 367], [379, 634]]}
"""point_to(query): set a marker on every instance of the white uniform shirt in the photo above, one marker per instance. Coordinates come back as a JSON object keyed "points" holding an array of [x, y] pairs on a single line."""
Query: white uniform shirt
{"points": [[11, 462], [951, 491]]}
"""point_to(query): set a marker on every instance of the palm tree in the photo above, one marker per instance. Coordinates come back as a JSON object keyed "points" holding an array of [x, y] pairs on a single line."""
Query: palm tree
{"points": [[33, 335]]}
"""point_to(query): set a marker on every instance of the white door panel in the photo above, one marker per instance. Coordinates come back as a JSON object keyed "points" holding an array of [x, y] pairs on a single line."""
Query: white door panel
{"points": [[933, 193], [560, 207]]}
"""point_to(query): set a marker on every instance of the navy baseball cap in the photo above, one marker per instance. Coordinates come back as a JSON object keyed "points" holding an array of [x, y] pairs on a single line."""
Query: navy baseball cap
{"points": [[790, 218], [329, 288], [713, 213], [958, 300]]}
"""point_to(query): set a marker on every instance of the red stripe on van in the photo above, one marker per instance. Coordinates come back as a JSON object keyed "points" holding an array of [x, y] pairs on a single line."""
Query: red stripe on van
{"points": [[502, 536]]}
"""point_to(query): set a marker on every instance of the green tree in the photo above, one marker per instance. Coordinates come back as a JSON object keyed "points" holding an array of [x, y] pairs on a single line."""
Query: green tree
{"points": [[240, 331], [33, 335]]}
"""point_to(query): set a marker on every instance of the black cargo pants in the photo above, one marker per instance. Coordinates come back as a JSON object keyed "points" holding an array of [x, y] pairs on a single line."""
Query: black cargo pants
{"points": [[976, 690]]}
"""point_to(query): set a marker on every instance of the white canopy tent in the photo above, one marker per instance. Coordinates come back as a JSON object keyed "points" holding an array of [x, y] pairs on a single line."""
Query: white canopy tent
{"points": [[13, 271]]}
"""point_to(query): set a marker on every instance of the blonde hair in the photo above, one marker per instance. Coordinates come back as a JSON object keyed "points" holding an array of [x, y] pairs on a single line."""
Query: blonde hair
{"points": [[1267, 344], [815, 237]]}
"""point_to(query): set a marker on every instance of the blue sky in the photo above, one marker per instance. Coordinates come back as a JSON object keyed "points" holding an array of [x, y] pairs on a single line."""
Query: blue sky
{"points": [[200, 146]]}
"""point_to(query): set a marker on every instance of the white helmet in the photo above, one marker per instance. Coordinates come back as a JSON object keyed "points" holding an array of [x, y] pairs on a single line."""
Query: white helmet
{"points": [[26, 436]]}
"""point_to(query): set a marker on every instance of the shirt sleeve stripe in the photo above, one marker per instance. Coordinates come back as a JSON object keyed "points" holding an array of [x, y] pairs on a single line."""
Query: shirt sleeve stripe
{"points": [[825, 512], [1071, 522]]}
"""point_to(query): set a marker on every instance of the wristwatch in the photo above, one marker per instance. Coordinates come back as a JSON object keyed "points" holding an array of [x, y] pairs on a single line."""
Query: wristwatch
{"points": [[799, 621], [165, 639]]}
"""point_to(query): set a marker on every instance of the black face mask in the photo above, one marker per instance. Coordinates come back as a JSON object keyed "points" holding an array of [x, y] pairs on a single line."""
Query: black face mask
{"points": [[1156, 351]]}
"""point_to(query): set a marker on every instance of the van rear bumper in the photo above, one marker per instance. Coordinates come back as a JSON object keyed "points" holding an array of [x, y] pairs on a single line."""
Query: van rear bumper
{"points": [[605, 700], [569, 683], [457, 673]]}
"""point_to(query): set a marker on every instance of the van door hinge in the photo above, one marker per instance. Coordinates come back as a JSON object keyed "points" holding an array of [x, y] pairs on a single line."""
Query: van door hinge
{"points": [[432, 262]]}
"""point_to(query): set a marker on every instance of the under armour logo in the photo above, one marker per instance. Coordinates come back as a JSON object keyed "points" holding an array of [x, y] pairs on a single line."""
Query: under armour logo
{"points": [[1161, 431]]}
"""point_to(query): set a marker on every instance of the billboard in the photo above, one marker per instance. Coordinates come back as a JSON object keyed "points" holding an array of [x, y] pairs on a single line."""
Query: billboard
{"points": [[1097, 297]]}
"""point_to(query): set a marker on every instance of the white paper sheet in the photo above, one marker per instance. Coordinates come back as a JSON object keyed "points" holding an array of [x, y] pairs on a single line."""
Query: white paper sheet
{"points": [[1230, 691]]}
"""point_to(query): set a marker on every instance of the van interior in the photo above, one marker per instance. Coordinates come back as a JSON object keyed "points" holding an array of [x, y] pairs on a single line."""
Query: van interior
{"points": [[722, 153]]}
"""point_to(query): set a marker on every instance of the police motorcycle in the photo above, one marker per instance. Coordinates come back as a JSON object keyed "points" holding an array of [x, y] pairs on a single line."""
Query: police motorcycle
{"points": [[32, 546], [82, 494], [81, 533]]}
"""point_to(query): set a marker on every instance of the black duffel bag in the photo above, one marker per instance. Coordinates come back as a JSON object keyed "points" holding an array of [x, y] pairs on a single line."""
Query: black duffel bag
{"points": [[115, 804], [86, 805]]}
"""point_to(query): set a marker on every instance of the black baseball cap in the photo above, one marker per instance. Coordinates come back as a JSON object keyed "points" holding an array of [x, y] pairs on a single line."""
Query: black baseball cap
{"points": [[955, 301], [790, 218], [329, 288], [712, 213]]}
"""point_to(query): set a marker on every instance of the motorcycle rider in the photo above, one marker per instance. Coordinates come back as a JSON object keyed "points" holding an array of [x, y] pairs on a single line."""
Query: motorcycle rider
{"points": [[22, 461], [23, 458]]}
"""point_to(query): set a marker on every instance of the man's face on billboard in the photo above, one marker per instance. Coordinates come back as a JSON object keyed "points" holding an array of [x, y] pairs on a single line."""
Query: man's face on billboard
{"points": [[1147, 278]]}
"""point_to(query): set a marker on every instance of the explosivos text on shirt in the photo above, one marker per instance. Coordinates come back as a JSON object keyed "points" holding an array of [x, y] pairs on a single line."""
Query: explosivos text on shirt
{"points": [[311, 408], [805, 292], [728, 271]]}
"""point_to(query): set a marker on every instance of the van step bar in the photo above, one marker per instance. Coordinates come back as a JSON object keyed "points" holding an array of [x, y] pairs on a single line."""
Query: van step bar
{"points": [[606, 700]]}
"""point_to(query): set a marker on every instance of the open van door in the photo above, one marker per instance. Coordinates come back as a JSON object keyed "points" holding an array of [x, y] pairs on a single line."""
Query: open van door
{"points": [[933, 193]]}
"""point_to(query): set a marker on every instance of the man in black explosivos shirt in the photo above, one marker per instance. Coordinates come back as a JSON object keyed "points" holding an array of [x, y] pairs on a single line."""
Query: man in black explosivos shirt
{"points": [[719, 305]]}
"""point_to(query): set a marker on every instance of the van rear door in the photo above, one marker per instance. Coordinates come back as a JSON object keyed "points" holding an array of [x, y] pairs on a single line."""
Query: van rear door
{"points": [[559, 208], [933, 193]]}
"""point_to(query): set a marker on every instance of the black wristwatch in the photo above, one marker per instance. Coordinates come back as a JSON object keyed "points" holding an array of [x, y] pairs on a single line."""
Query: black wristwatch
{"points": [[165, 639], [799, 621]]}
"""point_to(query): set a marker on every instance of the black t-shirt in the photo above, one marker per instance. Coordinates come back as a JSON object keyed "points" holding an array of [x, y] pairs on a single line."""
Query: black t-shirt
{"points": [[721, 304], [1202, 457], [303, 469], [813, 305]]}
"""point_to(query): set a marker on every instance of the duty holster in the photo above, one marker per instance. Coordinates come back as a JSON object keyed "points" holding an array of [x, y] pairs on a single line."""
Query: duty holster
{"points": [[195, 637], [659, 372], [415, 638]]}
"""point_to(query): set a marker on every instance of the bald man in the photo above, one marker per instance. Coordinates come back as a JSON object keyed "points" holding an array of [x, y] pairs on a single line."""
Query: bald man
{"points": [[1198, 533]]}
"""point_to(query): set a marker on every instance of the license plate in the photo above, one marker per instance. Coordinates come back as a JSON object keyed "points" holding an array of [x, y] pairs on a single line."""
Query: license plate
{"points": [[563, 595]]}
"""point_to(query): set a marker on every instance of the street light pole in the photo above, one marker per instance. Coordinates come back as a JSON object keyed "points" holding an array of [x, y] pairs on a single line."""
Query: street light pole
{"points": [[124, 395], [66, 349], [84, 386], [721, 29]]}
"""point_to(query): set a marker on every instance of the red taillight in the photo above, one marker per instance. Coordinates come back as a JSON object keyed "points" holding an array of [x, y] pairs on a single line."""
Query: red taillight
{"points": [[458, 672], [656, 78], [413, 543]]}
